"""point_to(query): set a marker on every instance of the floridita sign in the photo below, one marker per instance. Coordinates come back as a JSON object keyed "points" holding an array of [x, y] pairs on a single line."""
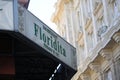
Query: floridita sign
{"points": [[50, 41], [34, 29], [39, 33]]}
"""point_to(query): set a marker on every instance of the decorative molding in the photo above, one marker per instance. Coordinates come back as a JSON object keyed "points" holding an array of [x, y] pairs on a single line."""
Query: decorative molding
{"points": [[102, 30], [111, 1], [76, 4], [79, 78], [85, 77], [80, 40], [106, 53], [116, 37], [118, 58], [97, 7], [66, 1], [21, 18], [95, 67], [88, 22]]}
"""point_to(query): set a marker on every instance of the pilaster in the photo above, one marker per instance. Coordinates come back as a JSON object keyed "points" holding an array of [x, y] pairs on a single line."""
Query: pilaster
{"points": [[83, 22], [94, 22], [105, 11]]}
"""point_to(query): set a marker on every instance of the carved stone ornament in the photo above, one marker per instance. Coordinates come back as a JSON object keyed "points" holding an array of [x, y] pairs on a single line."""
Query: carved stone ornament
{"points": [[106, 53], [102, 30], [85, 77], [116, 37], [95, 67], [21, 18]]}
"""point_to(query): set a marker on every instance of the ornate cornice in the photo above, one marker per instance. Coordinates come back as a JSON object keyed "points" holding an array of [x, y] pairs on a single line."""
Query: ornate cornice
{"points": [[97, 8], [85, 77], [66, 1], [106, 53], [95, 67], [59, 7], [58, 10], [116, 37]]}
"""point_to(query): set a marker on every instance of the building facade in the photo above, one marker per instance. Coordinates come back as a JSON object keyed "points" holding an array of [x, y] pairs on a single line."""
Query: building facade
{"points": [[93, 27]]}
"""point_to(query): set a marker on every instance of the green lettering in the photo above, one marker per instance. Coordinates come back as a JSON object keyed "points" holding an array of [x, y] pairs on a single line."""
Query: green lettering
{"points": [[48, 48], [40, 34], [36, 29], [60, 49], [58, 46], [64, 52], [55, 45], [48, 40], [44, 38], [51, 41]]}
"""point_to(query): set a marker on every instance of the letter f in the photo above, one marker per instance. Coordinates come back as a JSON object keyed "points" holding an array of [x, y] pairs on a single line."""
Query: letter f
{"points": [[35, 29]]}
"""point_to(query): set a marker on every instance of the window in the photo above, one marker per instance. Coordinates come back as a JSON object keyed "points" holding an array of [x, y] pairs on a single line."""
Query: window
{"points": [[108, 75]]}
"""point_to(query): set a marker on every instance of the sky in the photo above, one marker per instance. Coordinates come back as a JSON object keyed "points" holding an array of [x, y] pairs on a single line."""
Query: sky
{"points": [[43, 9]]}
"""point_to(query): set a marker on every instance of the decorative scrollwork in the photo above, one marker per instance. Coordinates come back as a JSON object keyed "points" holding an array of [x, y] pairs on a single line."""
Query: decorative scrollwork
{"points": [[102, 30], [21, 18]]}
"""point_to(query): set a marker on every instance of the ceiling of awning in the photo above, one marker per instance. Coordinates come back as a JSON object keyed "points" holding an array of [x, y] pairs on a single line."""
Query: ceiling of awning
{"points": [[31, 61]]}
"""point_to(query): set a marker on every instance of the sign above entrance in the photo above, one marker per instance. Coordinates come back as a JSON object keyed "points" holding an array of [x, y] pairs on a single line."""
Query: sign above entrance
{"points": [[34, 29]]}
